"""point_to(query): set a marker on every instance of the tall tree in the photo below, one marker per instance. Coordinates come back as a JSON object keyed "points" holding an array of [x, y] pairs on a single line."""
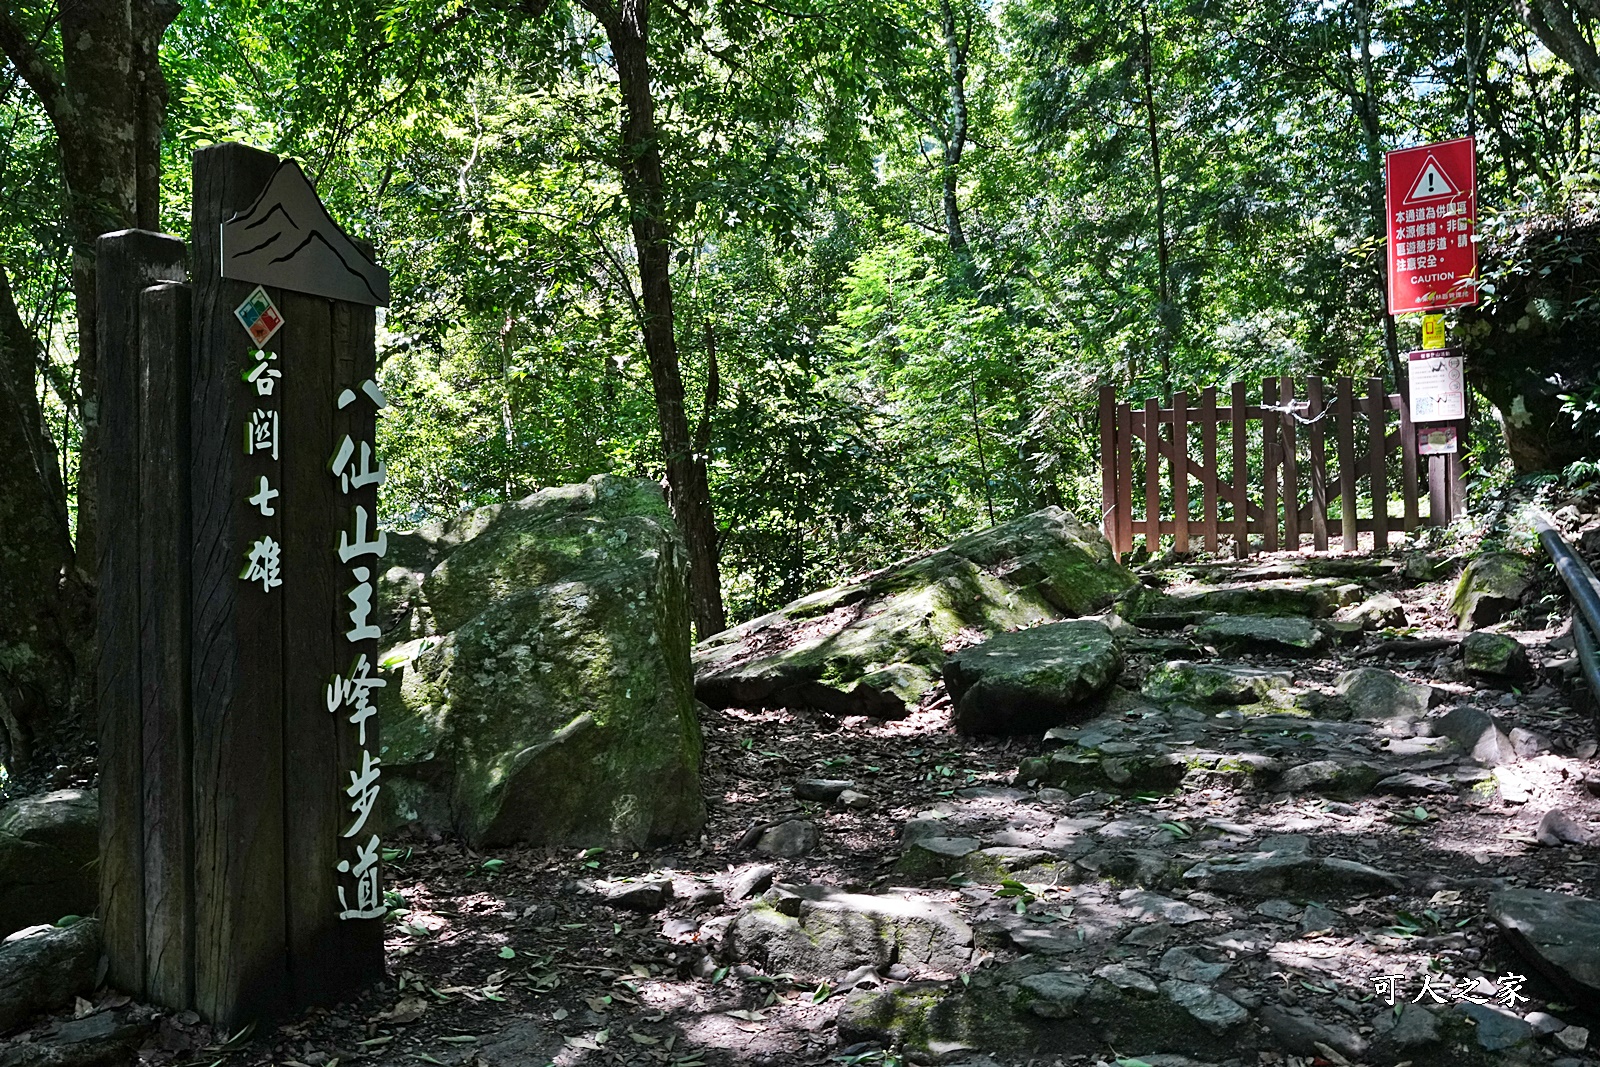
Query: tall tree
{"points": [[93, 68], [1565, 27]]}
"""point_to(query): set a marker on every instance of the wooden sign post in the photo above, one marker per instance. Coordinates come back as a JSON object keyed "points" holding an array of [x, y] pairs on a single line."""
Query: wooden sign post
{"points": [[240, 859]]}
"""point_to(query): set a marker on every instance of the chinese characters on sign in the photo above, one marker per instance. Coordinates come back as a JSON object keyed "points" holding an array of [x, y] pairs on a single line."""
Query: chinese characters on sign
{"points": [[1438, 386], [1432, 210], [352, 692], [263, 561], [1505, 991]]}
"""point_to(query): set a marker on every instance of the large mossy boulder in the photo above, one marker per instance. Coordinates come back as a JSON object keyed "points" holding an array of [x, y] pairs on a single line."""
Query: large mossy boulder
{"points": [[876, 644], [545, 693], [49, 847], [1027, 681], [1491, 587]]}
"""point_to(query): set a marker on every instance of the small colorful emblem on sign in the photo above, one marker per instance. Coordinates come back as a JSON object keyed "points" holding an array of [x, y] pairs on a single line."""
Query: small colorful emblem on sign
{"points": [[260, 316], [1436, 440], [1432, 332]]}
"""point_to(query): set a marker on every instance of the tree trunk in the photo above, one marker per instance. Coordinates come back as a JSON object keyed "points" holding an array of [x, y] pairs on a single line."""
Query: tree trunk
{"points": [[1556, 24], [955, 141], [1365, 102], [107, 104], [1165, 311], [643, 182], [45, 627]]}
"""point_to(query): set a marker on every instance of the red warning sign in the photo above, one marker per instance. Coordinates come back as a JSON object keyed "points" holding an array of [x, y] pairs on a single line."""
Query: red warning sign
{"points": [[1433, 214]]}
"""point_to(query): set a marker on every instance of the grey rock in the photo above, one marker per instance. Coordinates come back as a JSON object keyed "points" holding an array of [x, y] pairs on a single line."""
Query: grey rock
{"points": [[835, 932], [1495, 657], [544, 693], [1285, 843], [1128, 980], [788, 839], [1273, 874], [1282, 910], [1478, 734], [1573, 1038], [522, 1043], [853, 800], [1407, 784], [1028, 681], [1053, 994], [1286, 634], [1497, 1028], [1299, 1032], [1204, 683], [1527, 743], [824, 790], [1317, 919], [749, 882], [875, 645], [647, 897], [1559, 934], [1374, 693], [1149, 907], [1377, 612], [1543, 1022], [937, 855], [1329, 776], [1152, 936], [1492, 585], [98, 1040], [1558, 828], [920, 829], [1209, 1008], [46, 968], [1185, 964], [1415, 1027], [49, 850]]}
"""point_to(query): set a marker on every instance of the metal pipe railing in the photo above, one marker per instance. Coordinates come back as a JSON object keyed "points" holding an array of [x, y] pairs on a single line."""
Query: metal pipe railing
{"points": [[1585, 590]]}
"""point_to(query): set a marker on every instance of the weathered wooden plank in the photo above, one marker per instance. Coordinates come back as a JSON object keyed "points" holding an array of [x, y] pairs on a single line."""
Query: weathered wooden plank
{"points": [[1453, 472], [1125, 438], [126, 263], [1345, 422], [1408, 464], [312, 509], [236, 664], [163, 496], [1208, 460], [1180, 472], [1241, 474], [1315, 433], [1377, 423], [1438, 492], [1152, 477], [1269, 463], [1291, 470], [1108, 463]]}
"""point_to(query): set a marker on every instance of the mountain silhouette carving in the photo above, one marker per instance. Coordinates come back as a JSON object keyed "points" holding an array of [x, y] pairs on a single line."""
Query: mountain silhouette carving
{"points": [[287, 239]]}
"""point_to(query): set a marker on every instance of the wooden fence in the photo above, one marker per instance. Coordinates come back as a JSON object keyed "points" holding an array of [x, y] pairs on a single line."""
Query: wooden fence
{"points": [[1310, 449]]}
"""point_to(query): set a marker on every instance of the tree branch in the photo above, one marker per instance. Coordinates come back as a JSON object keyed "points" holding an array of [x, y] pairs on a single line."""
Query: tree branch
{"points": [[1553, 23], [35, 69]]}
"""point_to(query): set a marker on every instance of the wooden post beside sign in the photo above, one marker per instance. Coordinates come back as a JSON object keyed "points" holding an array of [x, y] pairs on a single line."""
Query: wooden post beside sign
{"points": [[263, 866]]}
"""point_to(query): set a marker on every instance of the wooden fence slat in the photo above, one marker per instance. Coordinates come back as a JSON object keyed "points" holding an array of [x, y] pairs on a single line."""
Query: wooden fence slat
{"points": [[1408, 465], [1208, 459], [1319, 465], [1453, 472], [1108, 463], [1345, 422], [163, 495], [1241, 473], [127, 262], [1152, 476], [1180, 472], [1377, 420], [1269, 464], [1438, 492], [1291, 470], [236, 700], [1124, 479]]}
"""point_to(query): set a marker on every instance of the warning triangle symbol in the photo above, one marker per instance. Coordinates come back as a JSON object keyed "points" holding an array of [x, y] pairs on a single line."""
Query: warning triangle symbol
{"points": [[1432, 183]]}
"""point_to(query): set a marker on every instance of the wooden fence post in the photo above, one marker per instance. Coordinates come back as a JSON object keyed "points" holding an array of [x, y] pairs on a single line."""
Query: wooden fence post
{"points": [[1180, 472], [1241, 473], [1377, 430], [1108, 465], [1345, 422], [1408, 463], [1208, 459], [1269, 465], [127, 262], [1319, 465], [1152, 476], [1124, 478], [1291, 470]]}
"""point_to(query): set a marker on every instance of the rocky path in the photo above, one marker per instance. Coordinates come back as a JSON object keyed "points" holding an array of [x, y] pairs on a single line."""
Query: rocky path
{"points": [[1301, 780]]}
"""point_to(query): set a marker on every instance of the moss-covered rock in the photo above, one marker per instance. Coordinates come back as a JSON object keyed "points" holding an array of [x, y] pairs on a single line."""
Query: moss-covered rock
{"points": [[1027, 681], [1292, 635], [1492, 585], [550, 696], [1308, 597], [834, 932], [49, 845], [1206, 683], [875, 645], [1076, 771], [1494, 656]]}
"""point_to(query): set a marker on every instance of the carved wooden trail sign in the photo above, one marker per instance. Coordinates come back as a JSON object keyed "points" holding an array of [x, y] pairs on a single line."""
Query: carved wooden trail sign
{"points": [[238, 624]]}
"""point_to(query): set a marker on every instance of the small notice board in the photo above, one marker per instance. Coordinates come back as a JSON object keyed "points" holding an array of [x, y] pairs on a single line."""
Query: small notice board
{"points": [[1438, 389]]}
